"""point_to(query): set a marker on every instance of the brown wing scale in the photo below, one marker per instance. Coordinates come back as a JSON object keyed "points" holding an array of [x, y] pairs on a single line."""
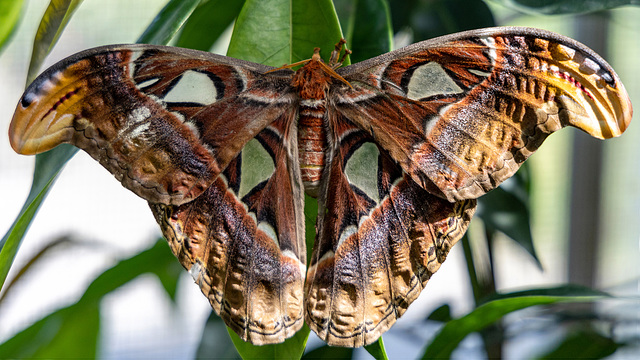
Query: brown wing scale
{"points": [[245, 248], [461, 113], [116, 103], [377, 245]]}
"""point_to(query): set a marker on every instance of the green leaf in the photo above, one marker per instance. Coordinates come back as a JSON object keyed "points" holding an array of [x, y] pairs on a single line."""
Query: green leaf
{"points": [[34, 260], [72, 332], [208, 21], [456, 330], [556, 7], [368, 24], [583, 345], [441, 314], [310, 216], [216, 342], [156, 260], [502, 210], [48, 165], [10, 11], [291, 349], [429, 19], [53, 22], [377, 350], [278, 32], [568, 290], [168, 21], [327, 352]]}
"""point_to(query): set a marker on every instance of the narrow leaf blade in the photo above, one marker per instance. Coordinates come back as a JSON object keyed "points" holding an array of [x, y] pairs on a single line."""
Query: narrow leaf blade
{"points": [[10, 11], [369, 27], [54, 335], [556, 7], [53, 22], [456, 330], [207, 22], [168, 21], [377, 350], [48, 165]]}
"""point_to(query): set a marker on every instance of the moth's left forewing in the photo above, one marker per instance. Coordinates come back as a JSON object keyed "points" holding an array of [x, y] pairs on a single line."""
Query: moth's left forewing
{"points": [[164, 121], [462, 112]]}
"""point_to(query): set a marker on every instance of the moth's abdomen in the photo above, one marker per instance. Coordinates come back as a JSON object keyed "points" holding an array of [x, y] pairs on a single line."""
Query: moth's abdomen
{"points": [[312, 142]]}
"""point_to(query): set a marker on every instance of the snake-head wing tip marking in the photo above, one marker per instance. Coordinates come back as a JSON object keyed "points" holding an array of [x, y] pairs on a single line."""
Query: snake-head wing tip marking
{"points": [[603, 112], [591, 95], [37, 126]]}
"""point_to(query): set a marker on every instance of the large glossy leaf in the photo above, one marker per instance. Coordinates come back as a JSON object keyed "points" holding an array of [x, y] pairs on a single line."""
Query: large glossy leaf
{"points": [[215, 342], [53, 22], [49, 164], [453, 332], [291, 349], [208, 21], [429, 19], [555, 7], [506, 209], [583, 345], [278, 32], [368, 27], [327, 352], [72, 332], [167, 23], [10, 11]]}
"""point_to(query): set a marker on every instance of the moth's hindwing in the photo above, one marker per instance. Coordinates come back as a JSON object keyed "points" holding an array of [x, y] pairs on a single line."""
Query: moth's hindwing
{"points": [[242, 240], [380, 238], [462, 112]]}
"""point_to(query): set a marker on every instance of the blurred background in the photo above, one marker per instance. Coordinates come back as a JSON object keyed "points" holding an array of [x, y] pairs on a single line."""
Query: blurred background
{"points": [[103, 223]]}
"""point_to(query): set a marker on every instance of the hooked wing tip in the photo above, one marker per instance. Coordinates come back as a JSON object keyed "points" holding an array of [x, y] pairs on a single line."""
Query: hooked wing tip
{"points": [[40, 122], [595, 97]]}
